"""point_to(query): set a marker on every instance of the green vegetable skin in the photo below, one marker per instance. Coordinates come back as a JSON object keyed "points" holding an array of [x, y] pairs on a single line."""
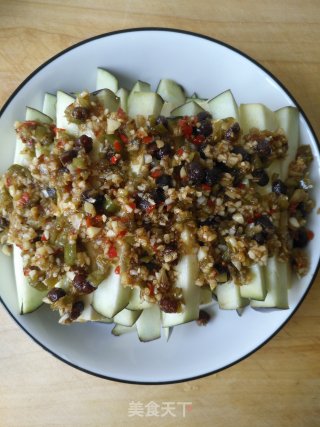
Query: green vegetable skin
{"points": [[125, 304]]}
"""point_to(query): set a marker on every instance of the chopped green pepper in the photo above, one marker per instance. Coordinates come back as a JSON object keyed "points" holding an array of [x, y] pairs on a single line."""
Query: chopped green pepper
{"points": [[19, 170], [84, 101], [41, 149], [160, 129], [51, 281], [152, 120], [37, 285], [34, 280], [96, 277], [111, 207], [172, 123], [70, 252], [102, 263], [111, 139], [79, 163]]}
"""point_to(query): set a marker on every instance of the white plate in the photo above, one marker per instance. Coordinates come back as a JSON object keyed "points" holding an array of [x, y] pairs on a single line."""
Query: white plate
{"points": [[208, 67]]}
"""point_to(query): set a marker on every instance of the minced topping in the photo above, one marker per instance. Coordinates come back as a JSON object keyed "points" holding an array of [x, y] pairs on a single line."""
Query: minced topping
{"points": [[139, 184]]}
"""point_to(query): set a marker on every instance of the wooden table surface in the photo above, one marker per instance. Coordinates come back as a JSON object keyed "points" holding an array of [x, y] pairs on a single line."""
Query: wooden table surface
{"points": [[277, 386]]}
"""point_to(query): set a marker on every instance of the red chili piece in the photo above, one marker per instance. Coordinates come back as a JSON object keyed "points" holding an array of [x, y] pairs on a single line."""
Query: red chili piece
{"points": [[198, 140], [147, 139], [310, 234], [114, 159], [186, 129], [124, 138], [156, 173], [206, 187], [95, 221], [117, 146], [121, 113], [150, 208], [122, 233], [151, 289], [24, 199], [112, 252]]}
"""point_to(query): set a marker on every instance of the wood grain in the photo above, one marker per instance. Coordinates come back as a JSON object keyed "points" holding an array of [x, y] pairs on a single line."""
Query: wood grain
{"points": [[277, 386]]}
